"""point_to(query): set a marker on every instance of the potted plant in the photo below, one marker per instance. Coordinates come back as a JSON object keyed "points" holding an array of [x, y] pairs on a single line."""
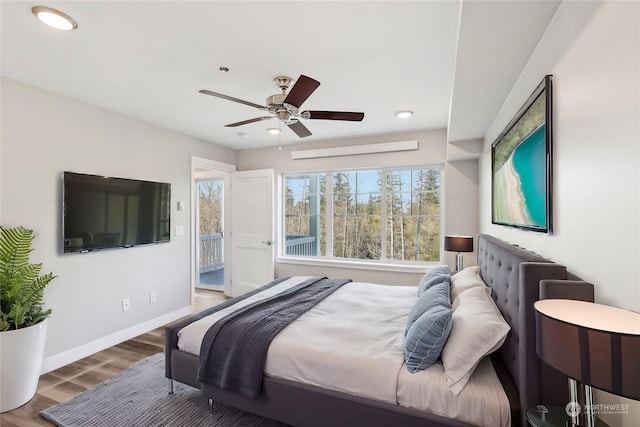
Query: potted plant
{"points": [[23, 320]]}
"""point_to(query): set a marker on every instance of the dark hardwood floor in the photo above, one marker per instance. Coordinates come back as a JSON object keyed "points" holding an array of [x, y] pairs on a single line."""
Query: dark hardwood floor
{"points": [[66, 382]]}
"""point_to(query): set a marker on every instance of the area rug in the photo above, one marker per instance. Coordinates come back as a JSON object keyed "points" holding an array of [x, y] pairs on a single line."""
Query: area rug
{"points": [[139, 397]]}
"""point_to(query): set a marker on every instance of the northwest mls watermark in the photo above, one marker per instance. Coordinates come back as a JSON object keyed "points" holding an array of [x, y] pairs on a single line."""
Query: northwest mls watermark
{"points": [[574, 409]]}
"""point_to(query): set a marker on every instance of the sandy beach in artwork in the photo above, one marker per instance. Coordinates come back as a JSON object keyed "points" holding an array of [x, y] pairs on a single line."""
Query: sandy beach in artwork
{"points": [[508, 203]]}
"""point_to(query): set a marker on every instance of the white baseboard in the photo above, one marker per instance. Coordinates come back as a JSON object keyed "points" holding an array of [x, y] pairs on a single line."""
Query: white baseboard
{"points": [[54, 362]]}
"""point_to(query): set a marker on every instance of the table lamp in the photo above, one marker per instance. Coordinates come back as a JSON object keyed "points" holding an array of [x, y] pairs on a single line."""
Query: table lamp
{"points": [[458, 244], [595, 344]]}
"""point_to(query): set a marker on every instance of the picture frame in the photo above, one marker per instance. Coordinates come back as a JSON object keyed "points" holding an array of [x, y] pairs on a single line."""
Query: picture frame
{"points": [[522, 165]]}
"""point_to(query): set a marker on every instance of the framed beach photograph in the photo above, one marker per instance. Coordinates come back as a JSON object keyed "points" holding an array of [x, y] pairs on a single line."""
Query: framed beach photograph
{"points": [[521, 166]]}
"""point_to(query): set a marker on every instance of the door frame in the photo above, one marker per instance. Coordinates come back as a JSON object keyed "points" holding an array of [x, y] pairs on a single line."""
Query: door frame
{"points": [[200, 163]]}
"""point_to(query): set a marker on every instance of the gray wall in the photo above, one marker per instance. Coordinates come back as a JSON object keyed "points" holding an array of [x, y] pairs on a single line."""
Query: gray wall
{"points": [[593, 51], [460, 192], [44, 134]]}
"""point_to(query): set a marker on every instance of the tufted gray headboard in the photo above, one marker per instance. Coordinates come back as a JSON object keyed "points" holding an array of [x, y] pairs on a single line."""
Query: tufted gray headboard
{"points": [[514, 275]]}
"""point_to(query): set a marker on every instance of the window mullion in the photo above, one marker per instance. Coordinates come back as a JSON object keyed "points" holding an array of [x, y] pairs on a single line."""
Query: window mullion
{"points": [[282, 250], [383, 215]]}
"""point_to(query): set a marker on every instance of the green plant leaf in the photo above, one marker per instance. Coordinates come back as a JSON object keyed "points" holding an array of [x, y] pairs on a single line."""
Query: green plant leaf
{"points": [[21, 285]]}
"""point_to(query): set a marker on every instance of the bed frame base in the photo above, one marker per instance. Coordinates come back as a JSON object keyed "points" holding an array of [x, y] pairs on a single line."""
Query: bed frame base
{"points": [[303, 405]]}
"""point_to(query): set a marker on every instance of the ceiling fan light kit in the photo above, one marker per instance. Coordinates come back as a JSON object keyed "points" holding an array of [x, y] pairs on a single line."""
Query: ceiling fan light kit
{"points": [[404, 114], [286, 107]]}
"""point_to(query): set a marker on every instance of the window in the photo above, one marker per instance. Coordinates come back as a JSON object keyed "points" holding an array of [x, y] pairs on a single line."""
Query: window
{"points": [[304, 214], [382, 215]]}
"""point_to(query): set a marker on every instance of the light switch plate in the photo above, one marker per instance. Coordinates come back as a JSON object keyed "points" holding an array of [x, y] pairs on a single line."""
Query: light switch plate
{"points": [[179, 230]]}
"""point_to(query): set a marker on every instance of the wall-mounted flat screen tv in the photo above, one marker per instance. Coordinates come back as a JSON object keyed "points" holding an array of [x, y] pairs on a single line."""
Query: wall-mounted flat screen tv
{"points": [[105, 212], [521, 160]]}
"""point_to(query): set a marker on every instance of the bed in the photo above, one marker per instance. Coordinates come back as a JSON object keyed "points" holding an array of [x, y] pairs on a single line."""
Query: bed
{"points": [[514, 276]]}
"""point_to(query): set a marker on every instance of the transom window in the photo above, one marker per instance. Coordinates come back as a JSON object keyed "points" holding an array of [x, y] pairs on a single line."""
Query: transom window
{"points": [[381, 215]]}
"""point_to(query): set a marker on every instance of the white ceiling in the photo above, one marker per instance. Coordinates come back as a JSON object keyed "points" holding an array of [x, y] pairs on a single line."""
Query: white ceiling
{"points": [[453, 63]]}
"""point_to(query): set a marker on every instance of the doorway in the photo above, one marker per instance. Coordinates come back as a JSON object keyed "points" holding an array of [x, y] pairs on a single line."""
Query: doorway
{"points": [[211, 259], [249, 234], [210, 251]]}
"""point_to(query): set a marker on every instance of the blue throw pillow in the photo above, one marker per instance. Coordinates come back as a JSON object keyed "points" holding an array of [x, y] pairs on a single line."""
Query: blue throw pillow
{"points": [[437, 274], [437, 294], [427, 337]]}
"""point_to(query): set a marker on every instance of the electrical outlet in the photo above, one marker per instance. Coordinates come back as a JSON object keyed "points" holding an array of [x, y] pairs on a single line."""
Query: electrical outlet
{"points": [[152, 298], [126, 304]]}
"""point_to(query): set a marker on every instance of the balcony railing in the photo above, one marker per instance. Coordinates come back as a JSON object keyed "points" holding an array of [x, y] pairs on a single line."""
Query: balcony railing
{"points": [[211, 252], [211, 249], [301, 245]]}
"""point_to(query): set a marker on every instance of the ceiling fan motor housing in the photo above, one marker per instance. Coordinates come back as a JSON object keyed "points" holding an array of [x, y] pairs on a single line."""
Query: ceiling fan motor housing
{"points": [[275, 104]]}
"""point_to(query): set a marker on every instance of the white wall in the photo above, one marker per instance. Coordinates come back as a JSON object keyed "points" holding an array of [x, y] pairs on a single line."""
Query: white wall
{"points": [[461, 205], [460, 193], [44, 134], [593, 51]]}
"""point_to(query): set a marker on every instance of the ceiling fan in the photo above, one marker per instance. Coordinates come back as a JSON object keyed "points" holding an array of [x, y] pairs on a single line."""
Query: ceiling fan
{"points": [[286, 107]]}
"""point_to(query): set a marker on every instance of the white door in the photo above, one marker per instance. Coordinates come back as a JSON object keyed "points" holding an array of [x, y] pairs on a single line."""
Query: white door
{"points": [[252, 230]]}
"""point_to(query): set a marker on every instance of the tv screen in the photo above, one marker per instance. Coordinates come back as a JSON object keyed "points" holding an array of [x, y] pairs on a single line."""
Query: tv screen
{"points": [[521, 160], [104, 212]]}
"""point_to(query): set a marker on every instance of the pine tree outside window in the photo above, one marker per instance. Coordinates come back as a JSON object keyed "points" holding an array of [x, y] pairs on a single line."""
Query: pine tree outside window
{"points": [[377, 215]]}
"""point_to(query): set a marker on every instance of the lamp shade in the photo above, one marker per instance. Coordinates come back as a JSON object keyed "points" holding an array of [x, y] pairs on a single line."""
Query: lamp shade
{"points": [[595, 344], [458, 243]]}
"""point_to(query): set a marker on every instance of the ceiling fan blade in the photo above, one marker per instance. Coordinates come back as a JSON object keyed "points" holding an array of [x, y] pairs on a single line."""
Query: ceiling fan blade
{"points": [[333, 115], [300, 129], [301, 90], [231, 98], [246, 122]]}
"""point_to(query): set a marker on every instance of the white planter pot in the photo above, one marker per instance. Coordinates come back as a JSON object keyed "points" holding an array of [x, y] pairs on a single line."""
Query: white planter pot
{"points": [[21, 353]]}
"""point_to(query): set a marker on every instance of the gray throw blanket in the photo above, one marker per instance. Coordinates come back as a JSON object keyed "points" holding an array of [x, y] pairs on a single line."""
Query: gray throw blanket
{"points": [[234, 350]]}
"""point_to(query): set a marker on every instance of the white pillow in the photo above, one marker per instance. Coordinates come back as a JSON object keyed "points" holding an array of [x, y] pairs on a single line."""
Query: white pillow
{"points": [[466, 279], [478, 329]]}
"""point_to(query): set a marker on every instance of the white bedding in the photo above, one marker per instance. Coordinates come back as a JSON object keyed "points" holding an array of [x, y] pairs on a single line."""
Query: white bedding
{"points": [[482, 401], [361, 349], [353, 342], [190, 337]]}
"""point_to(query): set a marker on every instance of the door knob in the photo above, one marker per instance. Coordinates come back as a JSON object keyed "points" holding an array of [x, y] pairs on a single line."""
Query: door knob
{"points": [[268, 242]]}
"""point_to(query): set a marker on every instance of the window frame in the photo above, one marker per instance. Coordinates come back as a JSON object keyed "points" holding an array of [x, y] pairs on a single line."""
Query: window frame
{"points": [[384, 264]]}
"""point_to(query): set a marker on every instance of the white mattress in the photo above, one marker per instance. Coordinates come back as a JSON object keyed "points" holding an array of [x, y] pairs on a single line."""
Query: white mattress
{"points": [[353, 342]]}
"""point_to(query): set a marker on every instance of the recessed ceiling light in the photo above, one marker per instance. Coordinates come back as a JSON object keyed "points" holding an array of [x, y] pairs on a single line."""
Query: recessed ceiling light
{"points": [[273, 131], [403, 114], [54, 18]]}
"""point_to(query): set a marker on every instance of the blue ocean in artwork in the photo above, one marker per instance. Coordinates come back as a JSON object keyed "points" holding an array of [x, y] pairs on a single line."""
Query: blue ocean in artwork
{"points": [[529, 162]]}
